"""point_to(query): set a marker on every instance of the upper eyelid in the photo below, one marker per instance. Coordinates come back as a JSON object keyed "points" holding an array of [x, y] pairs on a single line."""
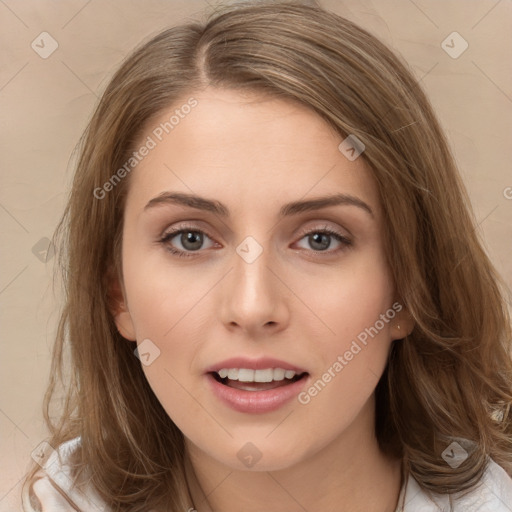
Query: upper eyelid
{"points": [[184, 227], [190, 226], [324, 227]]}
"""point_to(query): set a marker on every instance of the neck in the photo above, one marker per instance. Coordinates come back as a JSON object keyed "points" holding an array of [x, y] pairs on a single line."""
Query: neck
{"points": [[348, 474]]}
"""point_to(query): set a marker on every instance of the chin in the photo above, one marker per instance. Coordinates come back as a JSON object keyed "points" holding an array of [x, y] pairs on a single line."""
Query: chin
{"points": [[261, 454]]}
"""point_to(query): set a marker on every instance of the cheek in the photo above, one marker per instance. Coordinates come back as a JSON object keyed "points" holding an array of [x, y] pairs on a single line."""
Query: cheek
{"points": [[168, 306], [350, 300], [161, 296], [165, 312], [357, 310]]}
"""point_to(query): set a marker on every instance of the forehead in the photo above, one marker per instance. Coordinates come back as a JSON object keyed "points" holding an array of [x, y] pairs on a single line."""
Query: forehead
{"points": [[251, 146]]}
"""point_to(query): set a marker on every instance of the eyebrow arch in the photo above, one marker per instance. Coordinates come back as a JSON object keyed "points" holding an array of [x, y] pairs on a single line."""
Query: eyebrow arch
{"points": [[293, 208]]}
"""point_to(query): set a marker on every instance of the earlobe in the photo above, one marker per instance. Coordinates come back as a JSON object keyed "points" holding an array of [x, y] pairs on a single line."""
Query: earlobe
{"points": [[402, 325], [119, 308]]}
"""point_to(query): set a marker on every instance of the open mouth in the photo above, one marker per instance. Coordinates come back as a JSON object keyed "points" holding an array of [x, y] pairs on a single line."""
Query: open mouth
{"points": [[264, 388], [257, 380]]}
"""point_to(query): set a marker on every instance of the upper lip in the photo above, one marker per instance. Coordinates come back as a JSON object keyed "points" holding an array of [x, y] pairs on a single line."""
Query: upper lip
{"points": [[254, 364]]}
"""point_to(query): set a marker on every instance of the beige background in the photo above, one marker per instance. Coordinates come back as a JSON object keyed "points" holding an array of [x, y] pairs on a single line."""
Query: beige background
{"points": [[45, 104]]}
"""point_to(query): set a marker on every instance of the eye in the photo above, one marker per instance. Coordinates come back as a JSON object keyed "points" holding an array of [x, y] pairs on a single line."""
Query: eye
{"points": [[189, 238], [321, 239]]}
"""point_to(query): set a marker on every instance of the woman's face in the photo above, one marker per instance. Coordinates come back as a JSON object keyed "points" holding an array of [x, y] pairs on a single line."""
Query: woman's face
{"points": [[280, 266]]}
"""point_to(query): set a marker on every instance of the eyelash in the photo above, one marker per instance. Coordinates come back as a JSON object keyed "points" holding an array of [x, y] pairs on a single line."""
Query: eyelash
{"points": [[346, 243]]}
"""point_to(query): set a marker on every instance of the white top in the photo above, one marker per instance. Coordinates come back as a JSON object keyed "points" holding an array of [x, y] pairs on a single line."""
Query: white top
{"points": [[55, 494]]}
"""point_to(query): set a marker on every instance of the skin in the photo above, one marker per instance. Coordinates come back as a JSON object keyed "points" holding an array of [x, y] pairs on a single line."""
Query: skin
{"points": [[295, 302]]}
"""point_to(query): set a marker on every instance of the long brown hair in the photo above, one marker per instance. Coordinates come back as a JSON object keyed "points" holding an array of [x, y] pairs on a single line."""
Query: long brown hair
{"points": [[450, 379]]}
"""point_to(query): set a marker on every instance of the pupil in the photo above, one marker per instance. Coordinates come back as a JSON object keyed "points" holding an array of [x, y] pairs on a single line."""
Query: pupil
{"points": [[192, 237], [314, 239]]}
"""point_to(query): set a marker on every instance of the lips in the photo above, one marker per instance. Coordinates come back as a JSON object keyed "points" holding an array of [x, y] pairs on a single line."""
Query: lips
{"points": [[256, 386]]}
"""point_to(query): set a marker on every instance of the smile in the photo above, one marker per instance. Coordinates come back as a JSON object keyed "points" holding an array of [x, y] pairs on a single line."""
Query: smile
{"points": [[249, 375], [256, 391], [256, 380]]}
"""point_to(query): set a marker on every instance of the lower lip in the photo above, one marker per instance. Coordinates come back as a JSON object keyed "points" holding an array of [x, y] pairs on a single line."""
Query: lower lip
{"points": [[256, 401]]}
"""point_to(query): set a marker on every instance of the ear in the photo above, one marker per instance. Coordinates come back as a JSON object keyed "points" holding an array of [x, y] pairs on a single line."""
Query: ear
{"points": [[403, 323], [118, 306]]}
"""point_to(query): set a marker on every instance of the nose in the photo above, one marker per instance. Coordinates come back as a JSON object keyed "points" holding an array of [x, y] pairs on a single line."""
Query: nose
{"points": [[254, 298]]}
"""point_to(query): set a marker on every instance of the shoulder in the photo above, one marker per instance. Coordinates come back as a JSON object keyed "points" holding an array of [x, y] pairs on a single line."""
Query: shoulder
{"points": [[54, 490], [492, 494]]}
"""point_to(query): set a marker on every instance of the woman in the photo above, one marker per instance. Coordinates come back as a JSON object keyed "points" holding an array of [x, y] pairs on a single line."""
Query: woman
{"points": [[276, 299]]}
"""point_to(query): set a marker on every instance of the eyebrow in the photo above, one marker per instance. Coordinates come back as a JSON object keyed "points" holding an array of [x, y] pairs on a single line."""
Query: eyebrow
{"points": [[293, 208]]}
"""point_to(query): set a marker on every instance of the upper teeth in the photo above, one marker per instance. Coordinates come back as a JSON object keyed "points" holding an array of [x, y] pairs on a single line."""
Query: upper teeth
{"points": [[247, 375]]}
